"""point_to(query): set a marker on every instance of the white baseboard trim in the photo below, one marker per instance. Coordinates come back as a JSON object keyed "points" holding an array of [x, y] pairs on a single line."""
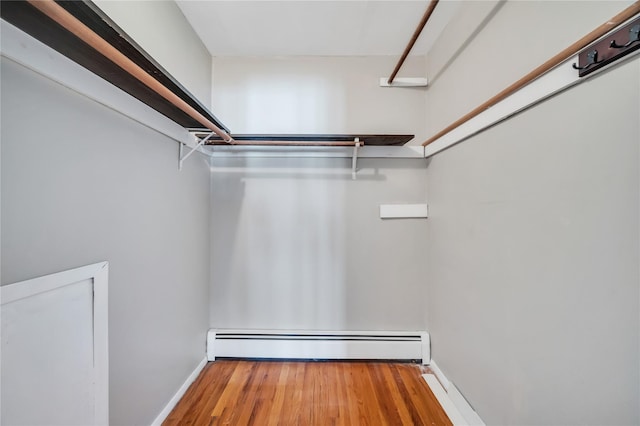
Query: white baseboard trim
{"points": [[426, 348], [469, 414], [444, 382], [445, 402], [179, 394], [458, 409], [303, 344]]}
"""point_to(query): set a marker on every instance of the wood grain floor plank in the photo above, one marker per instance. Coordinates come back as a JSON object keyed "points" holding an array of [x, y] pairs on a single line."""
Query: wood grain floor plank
{"points": [[352, 401], [383, 391], [341, 395], [255, 388], [308, 393], [279, 394], [406, 397], [214, 383], [295, 389], [203, 414], [368, 407], [394, 392], [231, 393], [422, 397], [336, 393]]}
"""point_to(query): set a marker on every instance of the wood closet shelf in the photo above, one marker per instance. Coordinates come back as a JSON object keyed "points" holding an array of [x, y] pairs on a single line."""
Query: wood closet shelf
{"points": [[312, 139]]}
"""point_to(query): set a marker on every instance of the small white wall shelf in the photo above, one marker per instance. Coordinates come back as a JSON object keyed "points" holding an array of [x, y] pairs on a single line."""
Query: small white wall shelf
{"points": [[403, 211]]}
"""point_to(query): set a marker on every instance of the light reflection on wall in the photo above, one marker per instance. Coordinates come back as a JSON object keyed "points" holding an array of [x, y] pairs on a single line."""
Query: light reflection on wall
{"points": [[292, 104], [294, 229], [317, 95], [296, 243]]}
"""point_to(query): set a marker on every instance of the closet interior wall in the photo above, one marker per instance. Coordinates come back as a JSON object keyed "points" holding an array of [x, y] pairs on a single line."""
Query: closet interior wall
{"points": [[180, 51], [325, 95], [297, 244], [533, 235], [525, 274], [82, 183], [114, 196]]}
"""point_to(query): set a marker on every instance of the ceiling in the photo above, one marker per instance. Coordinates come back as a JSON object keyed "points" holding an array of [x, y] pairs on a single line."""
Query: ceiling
{"points": [[314, 27]]}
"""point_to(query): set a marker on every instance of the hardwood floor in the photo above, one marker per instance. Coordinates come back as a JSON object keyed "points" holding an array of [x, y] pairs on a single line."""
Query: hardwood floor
{"points": [[308, 393]]}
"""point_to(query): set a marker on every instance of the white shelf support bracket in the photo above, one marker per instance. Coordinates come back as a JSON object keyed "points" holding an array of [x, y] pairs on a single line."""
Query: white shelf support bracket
{"points": [[354, 159], [194, 149]]}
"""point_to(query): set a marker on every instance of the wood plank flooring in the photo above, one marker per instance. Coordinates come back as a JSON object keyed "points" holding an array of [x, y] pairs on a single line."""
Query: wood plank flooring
{"points": [[308, 393]]}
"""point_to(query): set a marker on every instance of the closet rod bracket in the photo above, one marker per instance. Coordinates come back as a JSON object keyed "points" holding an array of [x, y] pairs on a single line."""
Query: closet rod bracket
{"points": [[194, 149], [354, 159]]}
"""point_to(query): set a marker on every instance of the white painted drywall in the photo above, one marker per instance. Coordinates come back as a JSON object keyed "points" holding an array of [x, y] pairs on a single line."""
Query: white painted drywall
{"points": [[82, 183], [510, 39], [47, 357], [161, 29], [298, 244], [317, 95], [314, 28], [533, 231]]}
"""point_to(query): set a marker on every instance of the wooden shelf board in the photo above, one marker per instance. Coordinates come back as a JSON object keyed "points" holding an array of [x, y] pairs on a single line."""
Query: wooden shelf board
{"points": [[312, 139]]}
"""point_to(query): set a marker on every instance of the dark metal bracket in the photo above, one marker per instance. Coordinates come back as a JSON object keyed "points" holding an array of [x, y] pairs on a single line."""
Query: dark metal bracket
{"points": [[634, 36], [592, 59], [615, 46]]}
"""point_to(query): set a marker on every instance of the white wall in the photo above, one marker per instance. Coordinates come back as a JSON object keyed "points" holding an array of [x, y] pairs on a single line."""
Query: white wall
{"points": [[511, 38], [317, 95], [161, 29], [533, 235], [81, 184], [297, 244]]}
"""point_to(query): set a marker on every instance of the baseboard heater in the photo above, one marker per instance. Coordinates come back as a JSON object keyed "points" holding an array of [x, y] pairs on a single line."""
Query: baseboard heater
{"points": [[319, 345]]}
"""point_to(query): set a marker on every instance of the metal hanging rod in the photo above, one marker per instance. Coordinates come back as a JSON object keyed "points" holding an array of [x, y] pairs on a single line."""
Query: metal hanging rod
{"points": [[356, 143], [84, 33], [414, 38], [295, 143], [562, 56]]}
